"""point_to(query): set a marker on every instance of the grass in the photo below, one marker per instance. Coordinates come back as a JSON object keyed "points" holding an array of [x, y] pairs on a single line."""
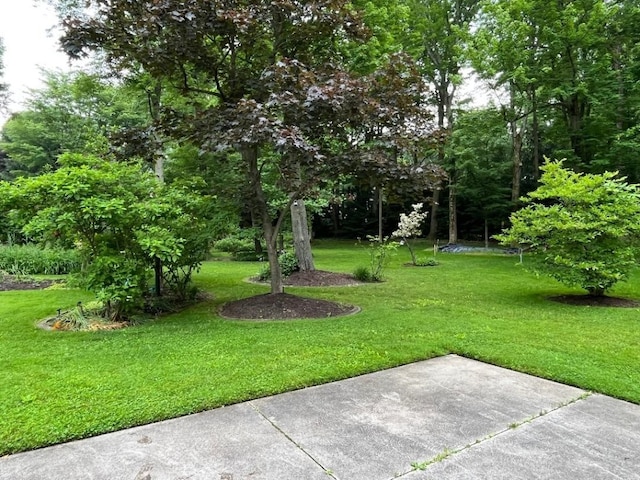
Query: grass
{"points": [[58, 386]]}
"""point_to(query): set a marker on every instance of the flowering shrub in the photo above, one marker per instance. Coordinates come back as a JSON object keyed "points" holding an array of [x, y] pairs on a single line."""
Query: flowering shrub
{"points": [[410, 227]]}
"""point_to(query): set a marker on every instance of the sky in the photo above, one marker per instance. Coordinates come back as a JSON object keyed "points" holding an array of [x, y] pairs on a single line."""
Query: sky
{"points": [[25, 28]]}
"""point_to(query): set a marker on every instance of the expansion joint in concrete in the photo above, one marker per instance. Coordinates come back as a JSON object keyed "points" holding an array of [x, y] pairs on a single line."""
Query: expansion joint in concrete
{"points": [[326, 470], [447, 452]]}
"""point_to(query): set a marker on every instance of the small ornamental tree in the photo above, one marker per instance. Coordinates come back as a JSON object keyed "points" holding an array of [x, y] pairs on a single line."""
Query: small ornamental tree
{"points": [[120, 219], [410, 226], [582, 229]]}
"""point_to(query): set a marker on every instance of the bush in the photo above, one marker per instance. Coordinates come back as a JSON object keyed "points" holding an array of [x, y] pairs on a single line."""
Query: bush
{"points": [[380, 251], [426, 262], [34, 260], [362, 274], [288, 264], [234, 245], [124, 223], [581, 229]]}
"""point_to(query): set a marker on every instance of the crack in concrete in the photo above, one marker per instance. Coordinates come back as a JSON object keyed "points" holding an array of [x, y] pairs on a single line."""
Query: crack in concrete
{"points": [[448, 453], [326, 470]]}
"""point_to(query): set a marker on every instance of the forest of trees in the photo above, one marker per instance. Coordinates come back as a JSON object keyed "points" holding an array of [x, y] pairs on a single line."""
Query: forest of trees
{"points": [[345, 113]]}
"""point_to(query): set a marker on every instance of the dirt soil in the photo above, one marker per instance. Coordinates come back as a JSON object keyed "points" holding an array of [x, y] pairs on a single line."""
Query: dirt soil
{"points": [[596, 301], [320, 278], [284, 306], [9, 282]]}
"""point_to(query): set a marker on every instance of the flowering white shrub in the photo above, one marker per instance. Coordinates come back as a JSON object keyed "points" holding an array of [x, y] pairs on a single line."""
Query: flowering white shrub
{"points": [[410, 227]]}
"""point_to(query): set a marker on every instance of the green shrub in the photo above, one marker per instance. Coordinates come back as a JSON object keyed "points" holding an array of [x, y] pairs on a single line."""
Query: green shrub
{"points": [[362, 274], [234, 245], [124, 222], [380, 251], [34, 260], [288, 264], [249, 257], [426, 262], [581, 229]]}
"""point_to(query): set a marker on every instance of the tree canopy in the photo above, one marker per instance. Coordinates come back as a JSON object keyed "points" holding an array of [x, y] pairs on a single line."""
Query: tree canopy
{"points": [[264, 79]]}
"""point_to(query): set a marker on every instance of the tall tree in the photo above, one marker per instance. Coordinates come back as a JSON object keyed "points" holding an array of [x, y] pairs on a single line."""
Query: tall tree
{"points": [[445, 26], [569, 68], [481, 145], [4, 88], [235, 62], [75, 112]]}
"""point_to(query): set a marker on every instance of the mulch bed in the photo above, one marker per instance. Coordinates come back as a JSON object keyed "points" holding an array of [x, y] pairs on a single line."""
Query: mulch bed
{"points": [[283, 306], [9, 282], [320, 278], [596, 301]]}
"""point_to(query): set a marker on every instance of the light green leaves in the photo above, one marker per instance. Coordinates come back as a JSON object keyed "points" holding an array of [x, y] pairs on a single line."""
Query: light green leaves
{"points": [[581, 228]]}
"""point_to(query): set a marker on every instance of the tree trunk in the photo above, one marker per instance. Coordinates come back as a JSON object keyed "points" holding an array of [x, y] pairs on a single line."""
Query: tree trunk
{"points": [[158, 167], [517, 163], [301, 236], [486, 233], [516, 144], [380, 214], [433, 221], [257, 243], [250, 157], [157, 268], [453, 213], [154, 97], [535, 133]]}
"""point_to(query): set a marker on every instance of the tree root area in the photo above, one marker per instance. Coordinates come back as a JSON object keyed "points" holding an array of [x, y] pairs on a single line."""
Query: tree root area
{"points": [[596, 301], [283, 306]]}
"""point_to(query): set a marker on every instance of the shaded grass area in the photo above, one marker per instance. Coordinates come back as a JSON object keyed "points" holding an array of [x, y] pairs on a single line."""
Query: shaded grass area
{"points": [[58, 386]]}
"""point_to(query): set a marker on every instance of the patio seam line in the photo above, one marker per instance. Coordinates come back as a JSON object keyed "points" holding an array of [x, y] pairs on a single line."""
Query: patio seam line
{"points": [[327, 471], [446, 453]]}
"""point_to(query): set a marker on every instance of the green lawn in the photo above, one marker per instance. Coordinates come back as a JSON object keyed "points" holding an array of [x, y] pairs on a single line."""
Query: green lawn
{"points": [[57, 386]]}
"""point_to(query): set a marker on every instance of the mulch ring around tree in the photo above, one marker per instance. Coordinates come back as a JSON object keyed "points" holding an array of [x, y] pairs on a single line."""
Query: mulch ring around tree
{"points": [[320, 278], [10, 282], [596, 301], [283, 306]]}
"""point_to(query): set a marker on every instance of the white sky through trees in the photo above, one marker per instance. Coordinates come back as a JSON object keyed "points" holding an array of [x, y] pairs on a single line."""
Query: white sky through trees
{"points": [[29, 44]]}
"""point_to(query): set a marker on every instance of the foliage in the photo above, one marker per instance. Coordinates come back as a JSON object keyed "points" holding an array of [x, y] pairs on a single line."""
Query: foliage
{"points": [[288, 265], [581, 228], [283, 101], [571, 68], [4, 88], [426, 262], [120, 219], [380, 251], [74, 112], [243, 244], [90, 317], [362, 274], [410, 226], [480, 144], [234, 245], [32, 260]]}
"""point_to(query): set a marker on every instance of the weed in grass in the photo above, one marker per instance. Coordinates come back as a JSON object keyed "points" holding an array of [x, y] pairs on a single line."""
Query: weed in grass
{"points": [[426, 262]]}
